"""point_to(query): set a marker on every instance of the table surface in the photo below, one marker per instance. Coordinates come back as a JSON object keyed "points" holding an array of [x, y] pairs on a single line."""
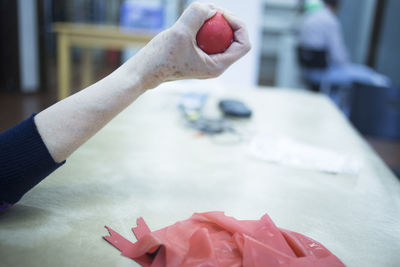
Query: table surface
{"points": [[146, 163]]}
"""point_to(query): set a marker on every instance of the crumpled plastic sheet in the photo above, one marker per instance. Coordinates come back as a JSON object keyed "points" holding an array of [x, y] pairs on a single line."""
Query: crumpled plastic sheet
{"points": [[214, 240], [287, 151]]}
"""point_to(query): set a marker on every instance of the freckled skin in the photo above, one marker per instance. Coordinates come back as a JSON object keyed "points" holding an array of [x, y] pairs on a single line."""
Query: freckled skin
{"points": [[167, 64], [174, 54], [171, 55]]}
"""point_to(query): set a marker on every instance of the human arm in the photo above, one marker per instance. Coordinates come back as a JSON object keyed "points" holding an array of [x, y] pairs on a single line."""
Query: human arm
{"points": [[171, 55]]}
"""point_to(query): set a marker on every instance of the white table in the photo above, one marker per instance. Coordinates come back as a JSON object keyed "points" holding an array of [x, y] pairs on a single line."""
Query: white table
{"points": [[146, 163]]}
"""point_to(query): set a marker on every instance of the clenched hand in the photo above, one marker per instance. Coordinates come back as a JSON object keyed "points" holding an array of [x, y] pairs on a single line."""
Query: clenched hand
{"points": [[173, 54]]}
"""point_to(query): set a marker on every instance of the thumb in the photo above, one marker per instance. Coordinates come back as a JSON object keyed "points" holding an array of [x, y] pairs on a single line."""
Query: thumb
{"points": [[196, 14]]}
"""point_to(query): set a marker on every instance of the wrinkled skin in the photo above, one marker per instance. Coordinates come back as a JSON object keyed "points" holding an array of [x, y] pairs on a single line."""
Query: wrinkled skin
{"points": [[173, 54]]}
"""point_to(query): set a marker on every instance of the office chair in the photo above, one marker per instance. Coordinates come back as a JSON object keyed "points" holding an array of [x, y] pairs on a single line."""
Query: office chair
{"points": [[309, 58], [375, 111], [312, 58]]}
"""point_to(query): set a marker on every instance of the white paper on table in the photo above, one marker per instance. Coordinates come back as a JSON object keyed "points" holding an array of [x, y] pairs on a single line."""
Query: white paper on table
{"points": [[284, 150]]}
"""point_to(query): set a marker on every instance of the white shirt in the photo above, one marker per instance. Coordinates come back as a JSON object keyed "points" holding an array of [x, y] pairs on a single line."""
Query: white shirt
{"points": [[322, 30]]}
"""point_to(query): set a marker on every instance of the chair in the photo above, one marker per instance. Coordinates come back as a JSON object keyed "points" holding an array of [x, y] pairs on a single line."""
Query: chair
{"points": [[309, 58], [317, 59], [375, 111], [312, 58]]}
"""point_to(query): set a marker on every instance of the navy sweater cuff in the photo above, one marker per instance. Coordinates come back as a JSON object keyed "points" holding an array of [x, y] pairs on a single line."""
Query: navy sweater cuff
{"points": [[24, 160]]}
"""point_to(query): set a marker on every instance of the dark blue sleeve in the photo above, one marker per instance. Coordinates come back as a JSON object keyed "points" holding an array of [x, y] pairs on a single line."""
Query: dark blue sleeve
{"points": [[24, 161]]}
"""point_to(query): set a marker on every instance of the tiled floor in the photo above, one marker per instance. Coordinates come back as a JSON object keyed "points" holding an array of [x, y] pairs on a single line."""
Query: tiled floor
{"points": [[17, 107]]}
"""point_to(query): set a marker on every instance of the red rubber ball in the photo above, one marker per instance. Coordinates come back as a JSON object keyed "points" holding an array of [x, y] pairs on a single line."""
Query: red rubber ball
{"points": [[215, 36]]}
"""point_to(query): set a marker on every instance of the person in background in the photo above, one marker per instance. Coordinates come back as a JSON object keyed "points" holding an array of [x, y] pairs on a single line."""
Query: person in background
{"points": [[320, 29], [39, 145]]}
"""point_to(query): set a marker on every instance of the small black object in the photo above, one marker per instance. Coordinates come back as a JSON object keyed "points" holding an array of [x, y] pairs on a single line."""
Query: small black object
{"points": [[234, 108]]}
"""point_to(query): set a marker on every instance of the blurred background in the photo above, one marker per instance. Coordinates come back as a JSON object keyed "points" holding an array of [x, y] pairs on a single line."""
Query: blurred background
{"points": [[46, 45]]}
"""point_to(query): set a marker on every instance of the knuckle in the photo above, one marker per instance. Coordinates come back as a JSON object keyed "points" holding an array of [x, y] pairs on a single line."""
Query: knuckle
{"points": [[199, 8], [248, 47], [241, 23], [218, 71], [195, 5], [178, 34]]}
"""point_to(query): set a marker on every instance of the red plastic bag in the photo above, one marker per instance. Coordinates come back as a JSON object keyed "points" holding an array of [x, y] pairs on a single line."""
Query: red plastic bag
{"points": [[214, 240]]}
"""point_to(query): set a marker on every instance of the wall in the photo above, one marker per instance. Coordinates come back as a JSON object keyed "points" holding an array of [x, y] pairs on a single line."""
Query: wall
{"points": [[388, 55], [28, 45], [356, 17]]}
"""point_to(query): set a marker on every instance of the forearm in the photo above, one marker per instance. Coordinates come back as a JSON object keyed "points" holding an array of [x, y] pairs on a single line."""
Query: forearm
{"points": [[33, 149], [171, 55], [71, 122]]}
